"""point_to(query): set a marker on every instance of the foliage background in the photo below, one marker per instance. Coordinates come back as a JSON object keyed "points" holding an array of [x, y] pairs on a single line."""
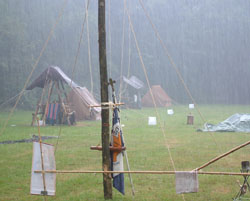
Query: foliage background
{"points": [[208, 40]]}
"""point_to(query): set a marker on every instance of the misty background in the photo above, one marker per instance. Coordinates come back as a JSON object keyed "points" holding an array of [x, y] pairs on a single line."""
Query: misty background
{"points": [[208, 41]]}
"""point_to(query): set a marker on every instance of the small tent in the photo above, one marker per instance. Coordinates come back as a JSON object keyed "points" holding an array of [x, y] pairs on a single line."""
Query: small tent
{"points": [[132, 91], [80, 100], [160, 96]]}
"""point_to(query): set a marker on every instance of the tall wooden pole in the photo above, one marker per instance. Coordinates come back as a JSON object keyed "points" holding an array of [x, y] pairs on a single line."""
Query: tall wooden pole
{"points": [[107, 182]]}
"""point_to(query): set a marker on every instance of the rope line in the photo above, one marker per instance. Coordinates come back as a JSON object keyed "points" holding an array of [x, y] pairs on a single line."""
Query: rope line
{"points": [[79, 44], [10, 99], [34, 66], [110, 45], [89, 53], [177, 71], [172, 62], [140, 172], [123, 40], [73, 69], [146, 76]]}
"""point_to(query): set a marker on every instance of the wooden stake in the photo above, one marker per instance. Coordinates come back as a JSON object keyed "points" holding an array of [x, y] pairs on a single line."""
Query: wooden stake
{"points": [[107, 182]]}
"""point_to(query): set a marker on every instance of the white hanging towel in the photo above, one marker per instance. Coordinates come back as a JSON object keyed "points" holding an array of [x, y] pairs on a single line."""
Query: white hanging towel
{"points": [[37, 185], [186, 182]]}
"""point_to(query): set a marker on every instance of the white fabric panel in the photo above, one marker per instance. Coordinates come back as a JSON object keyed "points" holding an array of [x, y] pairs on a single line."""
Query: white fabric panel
{"points": [[36, 186], [186, 182], [118, 165]]}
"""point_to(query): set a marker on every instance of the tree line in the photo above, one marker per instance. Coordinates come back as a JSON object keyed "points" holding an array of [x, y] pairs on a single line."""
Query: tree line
{"points": [[207, 40]]}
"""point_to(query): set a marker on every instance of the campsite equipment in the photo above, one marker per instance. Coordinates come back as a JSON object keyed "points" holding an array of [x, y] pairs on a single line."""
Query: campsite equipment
{"points": [[117, 140], [170, 112], [43, 159], [235, 123], [161, 98], [152, 121], [80, 100], [70, 107], [191, 106], [186, 182], [117, 145], [132, 91], [190, 119], [245, 166], [245, 186]]}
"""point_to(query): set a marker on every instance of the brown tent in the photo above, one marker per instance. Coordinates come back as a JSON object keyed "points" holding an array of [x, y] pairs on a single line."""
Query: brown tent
{"points": [[160, 96], [79, 100]]}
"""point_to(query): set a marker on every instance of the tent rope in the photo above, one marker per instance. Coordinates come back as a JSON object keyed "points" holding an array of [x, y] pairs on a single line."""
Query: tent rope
{"points": [[110, 41], [122, 52], [172, 61], [10, 99], [177, 71], [89, 52], [79, 44], [34, 66], [148, 83]]}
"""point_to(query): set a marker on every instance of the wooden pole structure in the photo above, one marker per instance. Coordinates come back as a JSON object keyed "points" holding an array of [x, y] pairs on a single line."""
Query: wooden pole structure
{"points": [[107, 181], [222, 156], [140, 172], [42, 162], [47, 103]]}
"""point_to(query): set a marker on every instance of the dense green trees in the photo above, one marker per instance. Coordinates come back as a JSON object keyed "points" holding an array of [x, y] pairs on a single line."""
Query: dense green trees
{"points": [[208, 41]]}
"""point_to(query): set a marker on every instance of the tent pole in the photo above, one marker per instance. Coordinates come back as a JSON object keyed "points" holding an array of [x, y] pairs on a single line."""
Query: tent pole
{"points": [[128, 166], [47, 103], [64, 91], [62, 103], [39, 105], [37, 109], [130, 176], [107, 181]]}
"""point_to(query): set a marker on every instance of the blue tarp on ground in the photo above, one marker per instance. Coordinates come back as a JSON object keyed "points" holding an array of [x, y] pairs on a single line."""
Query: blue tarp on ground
{"points": [[235, 123]]}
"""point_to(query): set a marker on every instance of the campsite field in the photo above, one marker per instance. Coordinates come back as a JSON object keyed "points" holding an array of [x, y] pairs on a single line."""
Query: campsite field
{"points": [[146, 148]]}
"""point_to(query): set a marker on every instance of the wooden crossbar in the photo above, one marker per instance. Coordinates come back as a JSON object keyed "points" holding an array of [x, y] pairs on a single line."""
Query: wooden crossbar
{"points": [[107, 104], [99, 148], [138, 172]]}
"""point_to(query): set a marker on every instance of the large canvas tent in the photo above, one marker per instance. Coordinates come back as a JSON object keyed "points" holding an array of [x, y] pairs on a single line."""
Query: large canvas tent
{"points": [[79, 100], [77, 103], [160, 96], [52, 73]]}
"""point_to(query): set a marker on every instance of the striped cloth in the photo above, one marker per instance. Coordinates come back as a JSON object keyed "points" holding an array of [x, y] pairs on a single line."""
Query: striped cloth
{"points": [[52, 113]]}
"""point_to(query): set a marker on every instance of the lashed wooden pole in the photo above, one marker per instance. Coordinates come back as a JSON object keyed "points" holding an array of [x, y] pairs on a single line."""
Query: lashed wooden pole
{"points": [[222, 156], [139, 172], [107, 182]]}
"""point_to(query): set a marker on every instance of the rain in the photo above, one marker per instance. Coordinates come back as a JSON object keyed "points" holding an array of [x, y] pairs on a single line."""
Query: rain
{"points": [[192, 52]]}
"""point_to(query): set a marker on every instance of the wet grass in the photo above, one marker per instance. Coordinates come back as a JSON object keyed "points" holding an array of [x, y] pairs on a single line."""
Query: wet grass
{"points": [[146, 148]]}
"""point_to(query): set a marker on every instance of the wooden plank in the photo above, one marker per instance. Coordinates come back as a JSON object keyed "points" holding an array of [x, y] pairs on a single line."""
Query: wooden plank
{"points": [[99, 148]]}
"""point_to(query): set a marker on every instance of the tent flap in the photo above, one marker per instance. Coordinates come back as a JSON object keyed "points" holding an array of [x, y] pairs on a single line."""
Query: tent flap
{"points": [[53, 73], [80, 100]]}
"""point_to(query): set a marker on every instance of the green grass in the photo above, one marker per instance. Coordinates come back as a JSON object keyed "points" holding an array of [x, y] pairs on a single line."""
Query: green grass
{"points": [[146, 148]]}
